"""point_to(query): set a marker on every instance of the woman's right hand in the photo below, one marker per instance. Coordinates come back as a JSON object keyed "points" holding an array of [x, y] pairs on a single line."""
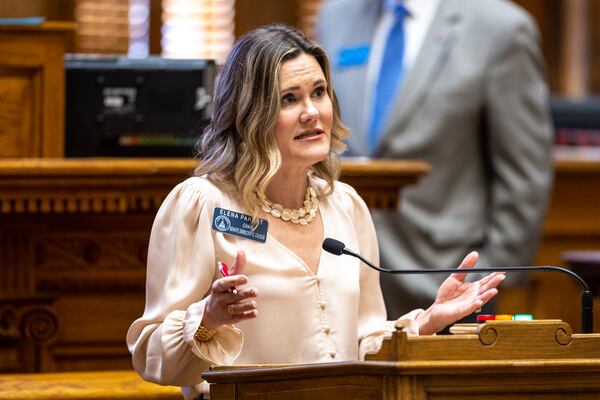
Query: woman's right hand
{"points": [[225, 307]]}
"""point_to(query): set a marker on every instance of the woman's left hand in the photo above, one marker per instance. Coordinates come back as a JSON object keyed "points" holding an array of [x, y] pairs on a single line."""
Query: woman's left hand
{"points": [[457, 299]]}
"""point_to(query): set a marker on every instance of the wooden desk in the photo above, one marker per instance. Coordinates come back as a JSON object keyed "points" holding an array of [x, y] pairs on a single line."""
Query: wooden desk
{"points": [[73, 243], [32, 89], [505, 360]]}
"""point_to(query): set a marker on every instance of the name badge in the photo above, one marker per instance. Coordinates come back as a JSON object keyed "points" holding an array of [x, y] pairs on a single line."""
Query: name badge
{"points": [[353, 56], [238, 224]]}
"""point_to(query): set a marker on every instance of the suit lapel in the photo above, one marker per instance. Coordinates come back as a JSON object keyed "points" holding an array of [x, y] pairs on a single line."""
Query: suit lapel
{"points": [[432, 56]]}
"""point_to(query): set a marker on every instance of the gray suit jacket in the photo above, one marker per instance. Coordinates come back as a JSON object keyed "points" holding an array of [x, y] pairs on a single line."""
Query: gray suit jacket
{"points": [[474, 106]]}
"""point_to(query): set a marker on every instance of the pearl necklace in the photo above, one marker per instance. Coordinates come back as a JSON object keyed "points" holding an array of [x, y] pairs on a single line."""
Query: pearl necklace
{"points": [[301, 216]]}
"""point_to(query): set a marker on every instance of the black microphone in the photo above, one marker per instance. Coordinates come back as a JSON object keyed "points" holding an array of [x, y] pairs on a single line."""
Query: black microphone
{"points": [[587, 301]]}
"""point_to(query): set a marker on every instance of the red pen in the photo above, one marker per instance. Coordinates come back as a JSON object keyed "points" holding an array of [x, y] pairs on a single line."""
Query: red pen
{"points": [[224, 270]]}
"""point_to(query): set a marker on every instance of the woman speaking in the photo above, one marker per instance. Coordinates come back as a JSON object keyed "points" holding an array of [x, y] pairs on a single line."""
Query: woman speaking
{"points": [[264, 195]]}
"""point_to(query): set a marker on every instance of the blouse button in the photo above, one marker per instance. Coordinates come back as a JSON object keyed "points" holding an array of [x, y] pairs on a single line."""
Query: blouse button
{"points": [[327, 330], [322, 305], [332, 354]]}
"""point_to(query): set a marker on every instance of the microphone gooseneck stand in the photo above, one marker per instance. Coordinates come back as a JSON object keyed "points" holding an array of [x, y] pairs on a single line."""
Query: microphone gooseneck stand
{"points": [[338, 248]]}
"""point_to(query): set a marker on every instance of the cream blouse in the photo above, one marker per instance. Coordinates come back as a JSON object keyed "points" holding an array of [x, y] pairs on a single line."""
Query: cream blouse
{"points": [[336, 315]]}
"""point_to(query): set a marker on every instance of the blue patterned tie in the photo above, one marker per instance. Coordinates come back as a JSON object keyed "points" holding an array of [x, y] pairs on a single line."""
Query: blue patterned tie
{"points": [[389, 76]]}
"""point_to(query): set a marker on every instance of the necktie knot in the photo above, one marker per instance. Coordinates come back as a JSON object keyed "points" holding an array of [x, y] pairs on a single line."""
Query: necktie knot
{"points": [[400, 12]]}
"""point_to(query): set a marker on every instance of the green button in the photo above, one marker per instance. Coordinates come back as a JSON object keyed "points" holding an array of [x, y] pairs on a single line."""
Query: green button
{"points": [[523, 317]]}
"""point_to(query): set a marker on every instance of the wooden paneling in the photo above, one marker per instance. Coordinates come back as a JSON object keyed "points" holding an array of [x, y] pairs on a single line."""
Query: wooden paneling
{"points": [[32, 89], [73, 243], [20, 92], [83, 276], [73, 239]]}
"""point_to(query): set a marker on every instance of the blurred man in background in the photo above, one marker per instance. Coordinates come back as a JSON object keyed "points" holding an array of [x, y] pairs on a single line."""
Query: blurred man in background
{"points": [[460, 85]]}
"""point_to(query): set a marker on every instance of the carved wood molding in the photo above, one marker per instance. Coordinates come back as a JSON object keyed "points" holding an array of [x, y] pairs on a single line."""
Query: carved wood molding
{"points": [[68, 186], [29, 326], [99, 186], [75, 261], [109, 262], [57, 202], [31, 320]]}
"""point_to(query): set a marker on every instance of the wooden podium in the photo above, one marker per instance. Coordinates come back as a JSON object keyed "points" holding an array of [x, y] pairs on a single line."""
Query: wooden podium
{"points": [[500, 360]]}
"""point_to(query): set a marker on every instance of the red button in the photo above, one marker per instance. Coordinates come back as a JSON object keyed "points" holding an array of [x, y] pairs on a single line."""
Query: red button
{"points": [[485, 317]]}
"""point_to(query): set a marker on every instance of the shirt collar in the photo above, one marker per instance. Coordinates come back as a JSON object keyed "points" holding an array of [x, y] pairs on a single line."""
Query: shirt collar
{"points": [[415, 8]]}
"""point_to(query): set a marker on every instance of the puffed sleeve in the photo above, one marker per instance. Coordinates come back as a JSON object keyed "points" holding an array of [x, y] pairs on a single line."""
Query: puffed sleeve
{"points": [[180, 272], [373, 325]]}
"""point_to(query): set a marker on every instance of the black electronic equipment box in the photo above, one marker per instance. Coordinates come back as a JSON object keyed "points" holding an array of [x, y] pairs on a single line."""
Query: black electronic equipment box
{"points": [[126, 107]]}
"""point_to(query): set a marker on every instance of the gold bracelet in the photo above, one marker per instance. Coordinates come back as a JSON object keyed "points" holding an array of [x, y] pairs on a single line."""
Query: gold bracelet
{"points": [[203, 335]]}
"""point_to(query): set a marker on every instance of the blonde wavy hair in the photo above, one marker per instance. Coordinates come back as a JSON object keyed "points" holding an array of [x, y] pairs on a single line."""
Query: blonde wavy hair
{"points": [[237, 150]]}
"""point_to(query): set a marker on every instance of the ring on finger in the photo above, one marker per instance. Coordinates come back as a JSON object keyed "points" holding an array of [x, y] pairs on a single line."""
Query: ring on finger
{"points": [[230, 309]]}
